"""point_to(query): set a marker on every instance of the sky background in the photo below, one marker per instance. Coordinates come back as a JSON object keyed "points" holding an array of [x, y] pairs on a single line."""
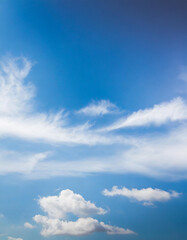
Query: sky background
{"points": [[92, 64]]}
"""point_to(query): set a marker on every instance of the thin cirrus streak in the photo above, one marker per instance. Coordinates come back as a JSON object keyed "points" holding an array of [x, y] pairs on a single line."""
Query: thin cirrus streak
{"points": [[156, 155], [175, 110], [18, 118], [161, 156]]}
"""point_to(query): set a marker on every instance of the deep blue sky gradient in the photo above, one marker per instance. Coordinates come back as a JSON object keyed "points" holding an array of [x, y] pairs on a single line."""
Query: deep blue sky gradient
{"points": [[127, 51]]}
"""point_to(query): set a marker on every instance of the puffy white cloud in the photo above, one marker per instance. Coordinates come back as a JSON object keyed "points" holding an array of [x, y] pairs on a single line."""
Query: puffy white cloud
{"points": [[28, 225], [101, 107], [68, 202], [13, 238], [57, 208], [83, 226], [175, 110], [146, 195]]}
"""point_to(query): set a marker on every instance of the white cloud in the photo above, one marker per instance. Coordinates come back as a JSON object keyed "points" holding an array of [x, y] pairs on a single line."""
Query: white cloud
{"points": [[83, 226], [156, 155], [162, 155], [159, 156], [13, 238], [1, 215], [68, 202], [28, 225], [145, 195], [19, 119], [57, 208], [15, 162], [175, 110], [101, 107]]}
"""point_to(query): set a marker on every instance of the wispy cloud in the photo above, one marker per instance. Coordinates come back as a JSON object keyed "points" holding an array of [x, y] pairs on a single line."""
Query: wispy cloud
{"points": [[13, 238], [69, 202], [101, 107], [19, 119], [183, 74], [158, 156], [15, 95], [145, 195], [82, 226], [175, 110], [16, 162]]}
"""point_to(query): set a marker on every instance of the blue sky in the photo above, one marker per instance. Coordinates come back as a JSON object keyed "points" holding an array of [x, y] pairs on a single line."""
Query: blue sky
{"points": [[93, 119]]}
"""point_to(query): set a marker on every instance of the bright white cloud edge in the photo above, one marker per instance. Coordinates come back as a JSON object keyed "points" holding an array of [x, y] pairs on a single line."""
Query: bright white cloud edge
{"points": [[83, 226], [68, 202], [160, 156], [175, 110], [56, 223], [145, 195]]}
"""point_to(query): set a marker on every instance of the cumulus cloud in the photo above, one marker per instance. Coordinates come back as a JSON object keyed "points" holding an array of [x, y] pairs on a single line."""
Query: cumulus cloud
{"points": [[83, 226], [101, 107], [68, 202], [28, 225], [175, 110], [57, 208], [145, 195]]}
